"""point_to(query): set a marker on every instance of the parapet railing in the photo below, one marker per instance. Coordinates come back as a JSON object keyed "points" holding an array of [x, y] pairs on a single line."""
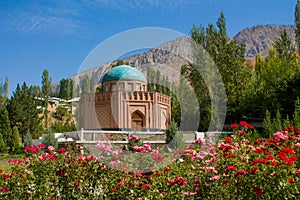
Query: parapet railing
{"points": [[133, 96], [127, 134], [211, 135]]}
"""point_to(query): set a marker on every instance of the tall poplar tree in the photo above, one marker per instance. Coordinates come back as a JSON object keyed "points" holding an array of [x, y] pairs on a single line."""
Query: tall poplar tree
{"points": [[297, 24], [46, 90], [5, 129], [228, 56], [66, 89], [87, 85]]}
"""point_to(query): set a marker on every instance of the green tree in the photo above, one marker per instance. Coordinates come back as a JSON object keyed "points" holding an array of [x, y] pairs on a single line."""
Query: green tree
{"points": [[228, 56], [275, 78], [50, 140], [16, 140], [46, 83], [46, 91], [3, 148], [267, 125], [296, 115], [66, 89], [76, 90], [60, 112], [118, 63], [36, 91], [23, 112], [150, 79], [27, 139], [158, 87], [5, 129], [99, 88], [284, 47], [277, 122], [3, 92], [297, 24], [87, 85], [174, 136], [5, 87]]}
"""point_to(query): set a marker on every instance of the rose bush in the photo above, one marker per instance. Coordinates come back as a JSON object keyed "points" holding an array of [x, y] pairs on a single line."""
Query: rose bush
{"points": [[236, 167]]}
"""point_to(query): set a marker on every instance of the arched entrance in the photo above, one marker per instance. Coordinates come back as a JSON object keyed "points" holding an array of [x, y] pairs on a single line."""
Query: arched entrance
{"points": [[137, 121]]}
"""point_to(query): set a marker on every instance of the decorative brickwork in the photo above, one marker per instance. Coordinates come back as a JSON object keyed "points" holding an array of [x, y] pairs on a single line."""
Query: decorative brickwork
{"points": [[125, 104]]}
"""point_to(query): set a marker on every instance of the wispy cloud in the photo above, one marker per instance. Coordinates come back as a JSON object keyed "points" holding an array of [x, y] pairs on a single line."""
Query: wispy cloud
{"points": [[36, 19], [71, 17], [138, 4]]}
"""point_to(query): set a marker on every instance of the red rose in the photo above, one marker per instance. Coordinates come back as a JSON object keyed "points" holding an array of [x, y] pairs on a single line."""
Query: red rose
{"points": [[291, 180], [228, 140], [6, 176], [291, 128], [234, 126], [121, 183], [146, 186], [250, 126], [258, 191], [77, 183], [243, 123], [231, 168], [275, 163], [4, 189], [115, 190], [253, 170], [149, 178], [61, 150]]}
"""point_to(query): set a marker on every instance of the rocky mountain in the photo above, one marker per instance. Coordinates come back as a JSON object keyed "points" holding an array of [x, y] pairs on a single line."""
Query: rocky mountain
{"points": [[258, 39], [169, 57]]}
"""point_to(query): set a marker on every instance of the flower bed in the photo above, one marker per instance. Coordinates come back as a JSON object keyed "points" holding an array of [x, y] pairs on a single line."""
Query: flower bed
{"points": [[233, 168]]}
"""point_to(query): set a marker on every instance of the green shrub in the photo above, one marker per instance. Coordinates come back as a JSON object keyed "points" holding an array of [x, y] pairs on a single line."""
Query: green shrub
{"points": [[16, 140], [50, 140], [28, 139], [3, 147]]}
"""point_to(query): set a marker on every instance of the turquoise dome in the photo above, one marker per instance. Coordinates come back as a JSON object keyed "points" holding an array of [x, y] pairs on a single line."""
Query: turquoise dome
{"points": [[123, 72]]}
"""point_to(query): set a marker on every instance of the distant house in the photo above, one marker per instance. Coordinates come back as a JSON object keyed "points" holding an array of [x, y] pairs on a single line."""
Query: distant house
{"points": [[54, 102]]}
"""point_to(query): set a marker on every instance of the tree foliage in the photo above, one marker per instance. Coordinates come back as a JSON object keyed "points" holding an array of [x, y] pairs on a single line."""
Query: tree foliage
{"points": [[27, 139], [66, 89], [213, 47], [3, 147], [46, 84], [46, 91], [16, 140], [50, 140], [5, 129], [284, 47], [297, 24], [87, 85], [23, 112]]}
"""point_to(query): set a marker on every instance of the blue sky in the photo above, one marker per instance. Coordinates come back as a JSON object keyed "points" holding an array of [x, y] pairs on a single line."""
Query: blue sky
{"points": [[58, 35]]}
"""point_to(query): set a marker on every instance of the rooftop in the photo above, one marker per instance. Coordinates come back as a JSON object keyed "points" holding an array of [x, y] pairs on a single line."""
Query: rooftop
{"points": [[123, 72]]}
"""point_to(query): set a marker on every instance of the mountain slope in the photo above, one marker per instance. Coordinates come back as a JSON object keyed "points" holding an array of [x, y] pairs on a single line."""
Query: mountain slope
{"points": [[259, 39], [169, 57]]}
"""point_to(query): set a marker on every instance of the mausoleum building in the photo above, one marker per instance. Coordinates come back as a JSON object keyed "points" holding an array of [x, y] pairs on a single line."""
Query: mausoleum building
{"points": [[124, 104]]}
